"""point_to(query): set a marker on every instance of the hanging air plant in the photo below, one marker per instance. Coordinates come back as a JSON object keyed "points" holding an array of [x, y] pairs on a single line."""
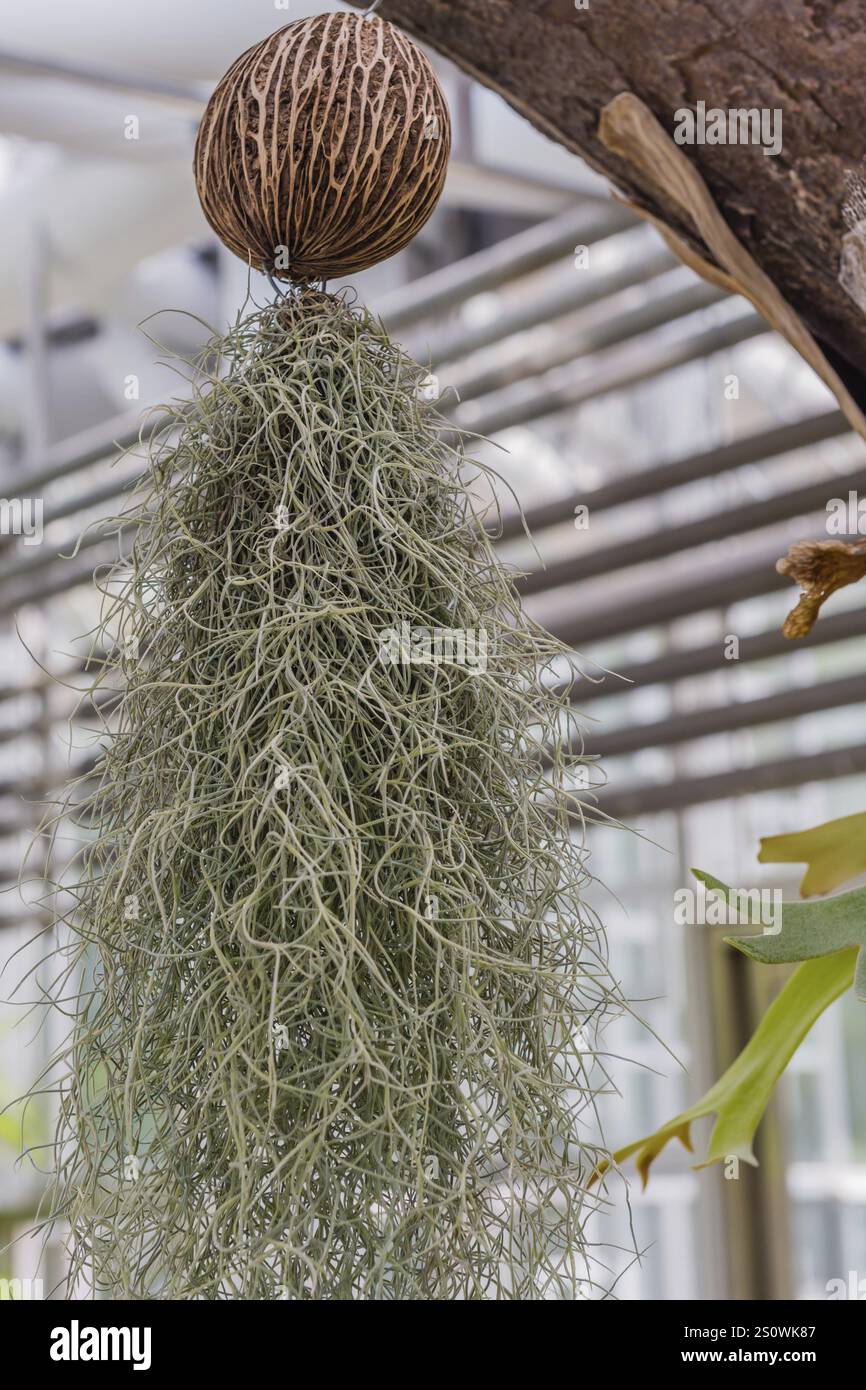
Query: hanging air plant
{"points": [[334, 1035]]}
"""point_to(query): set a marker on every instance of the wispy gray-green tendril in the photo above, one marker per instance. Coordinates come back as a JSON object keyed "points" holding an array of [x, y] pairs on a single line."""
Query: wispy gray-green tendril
{"points": [[335, 991]]}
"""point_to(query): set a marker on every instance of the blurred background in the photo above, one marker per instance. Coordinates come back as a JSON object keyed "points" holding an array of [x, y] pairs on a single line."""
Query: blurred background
{"points": [[608, 378]]}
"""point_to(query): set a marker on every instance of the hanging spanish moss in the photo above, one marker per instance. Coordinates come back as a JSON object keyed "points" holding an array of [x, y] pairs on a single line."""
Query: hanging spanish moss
{"points": [[334, 989]]}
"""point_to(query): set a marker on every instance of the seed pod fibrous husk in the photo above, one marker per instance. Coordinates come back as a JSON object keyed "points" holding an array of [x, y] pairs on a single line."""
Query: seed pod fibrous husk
{"points": [[324, 148]]}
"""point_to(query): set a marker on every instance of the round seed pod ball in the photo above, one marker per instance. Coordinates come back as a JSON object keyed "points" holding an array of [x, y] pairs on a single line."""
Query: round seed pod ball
{"points": [[324, 148]]}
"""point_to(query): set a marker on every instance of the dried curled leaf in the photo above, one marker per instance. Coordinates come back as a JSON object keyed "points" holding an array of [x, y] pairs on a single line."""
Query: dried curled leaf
{"points": [[629, 128], [820, 568]]}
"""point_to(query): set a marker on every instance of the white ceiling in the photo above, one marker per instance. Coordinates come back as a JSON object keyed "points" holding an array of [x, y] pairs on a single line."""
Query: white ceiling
{"points": [[193, 40]]}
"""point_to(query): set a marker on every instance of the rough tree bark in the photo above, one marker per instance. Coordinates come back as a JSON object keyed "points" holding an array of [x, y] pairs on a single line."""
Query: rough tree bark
{"points": [[559, 66]]}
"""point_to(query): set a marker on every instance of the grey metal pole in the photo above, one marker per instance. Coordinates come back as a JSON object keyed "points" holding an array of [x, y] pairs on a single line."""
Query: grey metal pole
{"points": [[36, 347], [535, 399], [487, 269], [581, 293], [648, 482], [569, 342], [674, 540], [697, 661], [631, 802]]}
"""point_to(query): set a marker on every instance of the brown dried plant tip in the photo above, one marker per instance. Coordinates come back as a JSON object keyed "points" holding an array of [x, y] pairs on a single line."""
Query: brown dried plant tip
{"points": [[324, 148], [820, 568]]}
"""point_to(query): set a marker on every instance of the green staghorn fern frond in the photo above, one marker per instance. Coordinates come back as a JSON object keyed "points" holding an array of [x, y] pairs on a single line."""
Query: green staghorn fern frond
{"points": [[827, 939], [333, 959]]}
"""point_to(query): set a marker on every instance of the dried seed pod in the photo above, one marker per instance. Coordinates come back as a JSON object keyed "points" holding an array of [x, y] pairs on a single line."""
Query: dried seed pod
{"points": [[324, 148]]}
